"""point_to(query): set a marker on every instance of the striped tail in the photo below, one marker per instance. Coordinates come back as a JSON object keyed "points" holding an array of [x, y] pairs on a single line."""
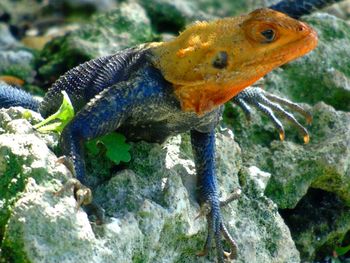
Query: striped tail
{"points": [[10, 96], [298, 8]]}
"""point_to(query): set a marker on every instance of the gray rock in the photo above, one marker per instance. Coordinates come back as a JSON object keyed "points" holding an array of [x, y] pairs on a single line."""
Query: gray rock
{"points": [[150, 206], [15, 59], [123, 27], [7, 41]]}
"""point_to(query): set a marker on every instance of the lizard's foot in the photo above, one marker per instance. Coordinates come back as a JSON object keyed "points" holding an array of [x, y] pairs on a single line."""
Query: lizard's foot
{"points": [[217, 230], [82, 194], [268, 104]]}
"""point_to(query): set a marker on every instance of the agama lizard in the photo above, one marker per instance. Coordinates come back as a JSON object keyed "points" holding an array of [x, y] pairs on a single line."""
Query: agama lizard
{"points": [[158, 90]]}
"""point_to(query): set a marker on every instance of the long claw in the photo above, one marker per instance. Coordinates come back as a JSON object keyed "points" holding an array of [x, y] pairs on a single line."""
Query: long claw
{"points": [[218, 242], [292, 119], [83, 197], [293, 106], [234, 196], [66, 161], [233, 245], [269, 113], [268, 104], [244, 106], [282, 135], [83, 194], [208, 240], [218, 230]]}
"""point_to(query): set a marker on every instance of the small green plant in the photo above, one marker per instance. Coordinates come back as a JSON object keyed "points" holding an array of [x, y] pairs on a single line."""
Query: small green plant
{"points": [[113, 144], [57, 121], [341, 251]]}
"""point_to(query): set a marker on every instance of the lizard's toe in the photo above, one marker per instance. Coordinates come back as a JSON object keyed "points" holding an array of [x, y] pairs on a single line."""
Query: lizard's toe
{"points": [[82, 194], [67, 162], [217, 230], [270, 104]]}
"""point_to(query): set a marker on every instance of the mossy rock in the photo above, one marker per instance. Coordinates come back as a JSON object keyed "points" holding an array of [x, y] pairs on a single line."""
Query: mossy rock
{"points": [[125, 26]]}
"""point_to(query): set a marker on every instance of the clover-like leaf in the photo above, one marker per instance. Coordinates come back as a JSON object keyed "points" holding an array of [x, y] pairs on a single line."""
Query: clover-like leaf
{"points": [[117, 149]]}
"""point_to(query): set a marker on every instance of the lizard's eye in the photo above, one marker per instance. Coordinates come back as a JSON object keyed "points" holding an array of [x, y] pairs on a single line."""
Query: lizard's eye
{"points": [[269, 35], [220, 60]]}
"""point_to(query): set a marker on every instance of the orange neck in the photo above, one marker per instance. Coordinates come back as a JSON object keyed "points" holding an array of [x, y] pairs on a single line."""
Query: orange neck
{"points": [[205, 98]]}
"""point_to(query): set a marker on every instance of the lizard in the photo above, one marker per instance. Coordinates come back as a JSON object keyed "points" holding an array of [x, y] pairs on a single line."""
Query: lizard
{"points": [[157, 90]]}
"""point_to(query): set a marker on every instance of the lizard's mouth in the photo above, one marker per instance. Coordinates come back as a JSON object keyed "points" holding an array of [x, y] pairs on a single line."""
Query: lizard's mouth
{"points": [[296, 48], [287, 52]]}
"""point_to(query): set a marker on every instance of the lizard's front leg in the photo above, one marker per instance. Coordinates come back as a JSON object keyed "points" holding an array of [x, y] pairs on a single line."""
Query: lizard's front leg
{"points": [[101, 115], [203, 145]]}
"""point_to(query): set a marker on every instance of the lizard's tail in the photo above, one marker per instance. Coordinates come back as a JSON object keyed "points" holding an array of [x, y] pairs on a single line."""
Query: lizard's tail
{"points": [[298, 8], [10, 96]]}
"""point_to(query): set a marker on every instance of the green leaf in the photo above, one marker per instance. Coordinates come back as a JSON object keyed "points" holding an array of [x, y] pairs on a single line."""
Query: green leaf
{"points": [[57, 121], [117, 149], [342, 250], [92, 147], [114, 144]]}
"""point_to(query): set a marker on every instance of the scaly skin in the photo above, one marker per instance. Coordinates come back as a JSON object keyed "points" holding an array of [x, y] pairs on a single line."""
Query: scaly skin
{"points": [[157, 90], [298, 8]]}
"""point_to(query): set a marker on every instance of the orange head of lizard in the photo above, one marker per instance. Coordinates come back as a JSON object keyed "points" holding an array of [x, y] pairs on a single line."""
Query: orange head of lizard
{"points": [[210, 62]]}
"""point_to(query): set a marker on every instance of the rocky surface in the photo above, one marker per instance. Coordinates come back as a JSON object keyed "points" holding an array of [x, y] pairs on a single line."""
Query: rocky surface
{"points": [[16, 60], [150, 206], [105, 34]]}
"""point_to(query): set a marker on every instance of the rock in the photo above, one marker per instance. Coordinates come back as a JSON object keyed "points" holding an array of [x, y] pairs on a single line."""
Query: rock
{"points": [[107, 33], [7, 41], [21, 12], [327, 219], [321, 164], [81, 5], [16, 60], [150, 206], [173, 16], [341, 10]]}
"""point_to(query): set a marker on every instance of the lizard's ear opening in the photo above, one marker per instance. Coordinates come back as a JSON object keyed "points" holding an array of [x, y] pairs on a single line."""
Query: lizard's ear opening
{"points": [[220, 60]]}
